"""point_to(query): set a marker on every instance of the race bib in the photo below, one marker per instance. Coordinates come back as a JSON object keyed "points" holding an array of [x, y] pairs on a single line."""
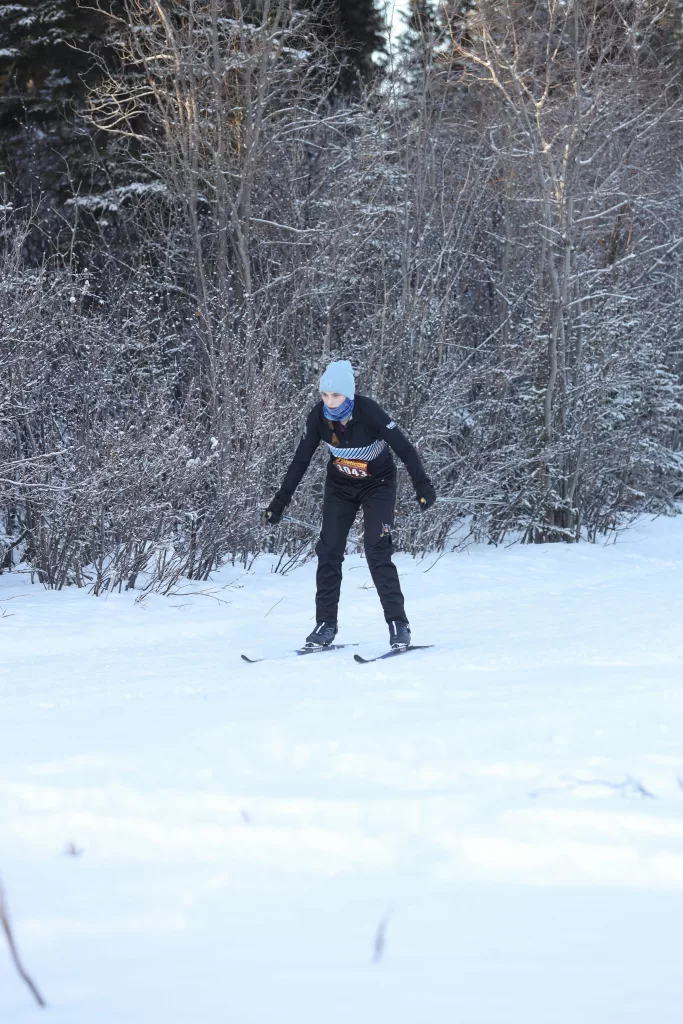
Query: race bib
{"points": [[352, 467]]}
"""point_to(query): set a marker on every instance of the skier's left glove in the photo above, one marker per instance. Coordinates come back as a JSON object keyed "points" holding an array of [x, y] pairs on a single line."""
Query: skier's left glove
{"points": [[275, 510], [425, 494]]}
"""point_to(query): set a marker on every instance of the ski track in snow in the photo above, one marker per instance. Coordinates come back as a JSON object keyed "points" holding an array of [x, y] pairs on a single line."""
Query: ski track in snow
{"points": [[489, 832]]}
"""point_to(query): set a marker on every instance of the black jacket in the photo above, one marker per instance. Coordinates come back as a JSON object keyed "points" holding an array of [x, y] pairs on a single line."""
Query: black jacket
{"points": [[358, 450]]}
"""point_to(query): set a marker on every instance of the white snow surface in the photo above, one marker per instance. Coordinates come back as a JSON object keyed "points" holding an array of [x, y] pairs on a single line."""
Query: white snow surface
{"points": [[487, 832]]}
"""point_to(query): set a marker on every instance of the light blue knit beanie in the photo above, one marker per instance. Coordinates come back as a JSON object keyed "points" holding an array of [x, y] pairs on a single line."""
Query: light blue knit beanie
{"points": [[339, 377]]}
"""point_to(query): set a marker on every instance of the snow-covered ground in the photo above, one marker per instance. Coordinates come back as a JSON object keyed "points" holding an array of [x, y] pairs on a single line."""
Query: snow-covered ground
{"points": [[497, 823]]}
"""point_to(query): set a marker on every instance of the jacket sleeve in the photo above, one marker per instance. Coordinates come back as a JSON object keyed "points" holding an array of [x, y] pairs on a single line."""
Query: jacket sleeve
{"points": [[302, 457], [388, 430]]}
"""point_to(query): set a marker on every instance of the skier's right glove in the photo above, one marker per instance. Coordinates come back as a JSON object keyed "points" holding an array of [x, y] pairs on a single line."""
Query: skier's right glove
{"points": [[275, 510]]}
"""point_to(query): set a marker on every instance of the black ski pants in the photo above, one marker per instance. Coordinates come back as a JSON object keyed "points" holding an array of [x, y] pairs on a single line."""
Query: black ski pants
{"points": [[343, 498]]}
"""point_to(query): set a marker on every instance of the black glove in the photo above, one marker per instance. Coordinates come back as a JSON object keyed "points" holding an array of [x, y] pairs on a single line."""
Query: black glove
{"points": [[425, 494], [273, 513]]}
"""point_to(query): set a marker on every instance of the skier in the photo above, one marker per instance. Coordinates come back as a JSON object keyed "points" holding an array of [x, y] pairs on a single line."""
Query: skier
{"points": [[361, 473]]}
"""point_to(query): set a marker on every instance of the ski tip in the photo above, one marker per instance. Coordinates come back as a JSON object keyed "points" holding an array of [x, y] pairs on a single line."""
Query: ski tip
{"points": [[393, 653], [250, 661]]}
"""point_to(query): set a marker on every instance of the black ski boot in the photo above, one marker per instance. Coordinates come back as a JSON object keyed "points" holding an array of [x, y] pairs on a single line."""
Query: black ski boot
{"points": [[399, 635], [323, 635]]}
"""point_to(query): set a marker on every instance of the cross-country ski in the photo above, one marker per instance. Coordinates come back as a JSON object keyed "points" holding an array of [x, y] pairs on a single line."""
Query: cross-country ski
{"points": [[313, 649], [391, 654]]}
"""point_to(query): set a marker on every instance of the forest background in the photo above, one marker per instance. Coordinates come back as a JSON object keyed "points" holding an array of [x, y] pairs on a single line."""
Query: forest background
{"points": [[201, 203]]}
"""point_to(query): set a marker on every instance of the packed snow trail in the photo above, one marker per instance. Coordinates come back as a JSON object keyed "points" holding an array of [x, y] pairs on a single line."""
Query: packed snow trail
{"points": [[489, 832]]}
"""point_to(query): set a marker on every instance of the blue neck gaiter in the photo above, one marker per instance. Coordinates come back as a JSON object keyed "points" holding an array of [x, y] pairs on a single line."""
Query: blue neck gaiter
{"points": [[342, 412]]}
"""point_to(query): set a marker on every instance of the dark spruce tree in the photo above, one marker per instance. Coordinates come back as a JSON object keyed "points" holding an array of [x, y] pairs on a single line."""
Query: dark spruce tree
{"points": [[362, 32], [51, 51], [355, 31], [418, 41]]}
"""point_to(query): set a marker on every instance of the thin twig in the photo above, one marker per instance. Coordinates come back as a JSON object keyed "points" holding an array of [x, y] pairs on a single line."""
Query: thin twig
{"points": [[32, 458], [274, 606], [381, 936], [44, 487], [14, 952]]}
